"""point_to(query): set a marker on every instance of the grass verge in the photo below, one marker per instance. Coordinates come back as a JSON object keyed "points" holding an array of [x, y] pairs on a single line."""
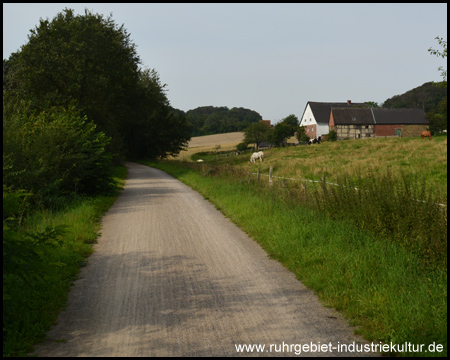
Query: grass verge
{"points": [[379, 285], [49, 248]]}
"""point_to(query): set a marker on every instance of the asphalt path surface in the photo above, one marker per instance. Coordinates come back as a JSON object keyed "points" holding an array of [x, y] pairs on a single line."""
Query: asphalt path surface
{"points": [[172, 276]]}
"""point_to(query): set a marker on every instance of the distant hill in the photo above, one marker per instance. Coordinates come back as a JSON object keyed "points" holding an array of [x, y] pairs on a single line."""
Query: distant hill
{"points": [[427, 97], [208, 120], [430, 97]]}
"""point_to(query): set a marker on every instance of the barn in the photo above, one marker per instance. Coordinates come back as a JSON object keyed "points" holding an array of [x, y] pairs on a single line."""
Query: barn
{"points": [[357, 123], [400, 122], [316, 116]]}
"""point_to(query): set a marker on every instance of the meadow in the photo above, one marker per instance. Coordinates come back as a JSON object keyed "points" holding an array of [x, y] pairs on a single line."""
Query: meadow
{"points": [[413, 157], [378, 256], [210, 143]]}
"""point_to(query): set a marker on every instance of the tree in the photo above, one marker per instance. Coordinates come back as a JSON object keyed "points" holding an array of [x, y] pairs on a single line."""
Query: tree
{"points": [[83, 58], [300, 133], [256, 133], [207, 120], [89, 61], [291, 121], [426, 96], [161, 130], [442, 54], [280, 133], [286, 128], [438, 118], [372, 104]]}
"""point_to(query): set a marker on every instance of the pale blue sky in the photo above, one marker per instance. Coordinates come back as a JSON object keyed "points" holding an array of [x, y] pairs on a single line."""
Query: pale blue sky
{"points": [[271, 58]]}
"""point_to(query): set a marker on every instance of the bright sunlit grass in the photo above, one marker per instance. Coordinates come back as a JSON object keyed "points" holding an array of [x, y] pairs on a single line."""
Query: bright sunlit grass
{"points": [[380, 284]]}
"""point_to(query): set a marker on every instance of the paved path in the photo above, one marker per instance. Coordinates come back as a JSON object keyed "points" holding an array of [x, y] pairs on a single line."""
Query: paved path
{"points": [[171, 276]]}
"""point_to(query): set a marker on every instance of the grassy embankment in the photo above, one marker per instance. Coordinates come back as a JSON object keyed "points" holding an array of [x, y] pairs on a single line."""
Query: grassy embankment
{"points": [[34, 300], [377, 256]]}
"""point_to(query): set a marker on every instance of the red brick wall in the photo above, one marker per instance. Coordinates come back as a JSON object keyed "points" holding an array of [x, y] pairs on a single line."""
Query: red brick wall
{"points": [[386, 130], [331, 121], [311, 131]]}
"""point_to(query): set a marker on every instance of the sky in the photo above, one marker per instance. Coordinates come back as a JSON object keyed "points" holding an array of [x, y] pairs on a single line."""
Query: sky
{"points": [[270, 58]]}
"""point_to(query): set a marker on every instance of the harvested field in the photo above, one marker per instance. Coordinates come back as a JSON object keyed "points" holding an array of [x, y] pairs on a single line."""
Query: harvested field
{"points": [[233, 138], [209, 143]]}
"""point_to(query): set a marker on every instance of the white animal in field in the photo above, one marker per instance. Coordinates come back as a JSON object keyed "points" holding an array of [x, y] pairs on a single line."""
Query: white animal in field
{"points": [[257, 155]]}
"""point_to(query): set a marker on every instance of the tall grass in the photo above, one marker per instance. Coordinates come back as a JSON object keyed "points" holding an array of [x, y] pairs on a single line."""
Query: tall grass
{"points": [[405, 211], [417, 157], [392, 289], [45, 252]]}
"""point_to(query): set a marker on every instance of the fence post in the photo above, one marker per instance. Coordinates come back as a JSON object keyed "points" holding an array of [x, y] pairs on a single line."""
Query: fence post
{"points": [[270, 175]]}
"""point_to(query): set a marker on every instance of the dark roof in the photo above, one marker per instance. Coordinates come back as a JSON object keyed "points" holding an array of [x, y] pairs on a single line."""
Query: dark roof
{"points": [[343, 116], [382, 116], [400, 116], [321, 110]]}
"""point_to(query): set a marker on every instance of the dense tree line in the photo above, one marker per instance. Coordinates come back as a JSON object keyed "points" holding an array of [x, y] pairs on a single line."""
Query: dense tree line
{"points": [[431, 97], [208, 120], [74, 98]]}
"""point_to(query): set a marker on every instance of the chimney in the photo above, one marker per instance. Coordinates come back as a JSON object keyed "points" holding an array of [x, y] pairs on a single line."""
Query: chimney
{"points": [[349, 102]]}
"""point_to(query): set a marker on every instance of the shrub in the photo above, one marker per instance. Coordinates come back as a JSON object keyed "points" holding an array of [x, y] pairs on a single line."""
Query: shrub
{"points": [[332, 135], [55, 154], [242, 146]]}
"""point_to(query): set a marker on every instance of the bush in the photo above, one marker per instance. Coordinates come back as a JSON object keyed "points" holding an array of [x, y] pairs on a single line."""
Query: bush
{"points": [[55, 154], [332, 135], [303, 137], [242, 146]]}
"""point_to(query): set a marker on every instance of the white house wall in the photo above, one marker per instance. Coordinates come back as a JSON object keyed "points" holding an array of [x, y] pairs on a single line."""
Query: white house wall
{"points": [[309, 119], [322, 129]]}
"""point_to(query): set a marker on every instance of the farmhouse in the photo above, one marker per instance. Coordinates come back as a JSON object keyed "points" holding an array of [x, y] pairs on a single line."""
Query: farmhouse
{"points": [[351, 123], [357, 123], [316, 116]]}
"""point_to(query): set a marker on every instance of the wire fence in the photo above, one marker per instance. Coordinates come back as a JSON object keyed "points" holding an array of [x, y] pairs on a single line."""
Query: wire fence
{"points": [[236, 153], [318, 181]]}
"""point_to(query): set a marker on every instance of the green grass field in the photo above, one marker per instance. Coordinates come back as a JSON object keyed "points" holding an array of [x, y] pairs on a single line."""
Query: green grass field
{"points": [[417, 157], [380, 257]]}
